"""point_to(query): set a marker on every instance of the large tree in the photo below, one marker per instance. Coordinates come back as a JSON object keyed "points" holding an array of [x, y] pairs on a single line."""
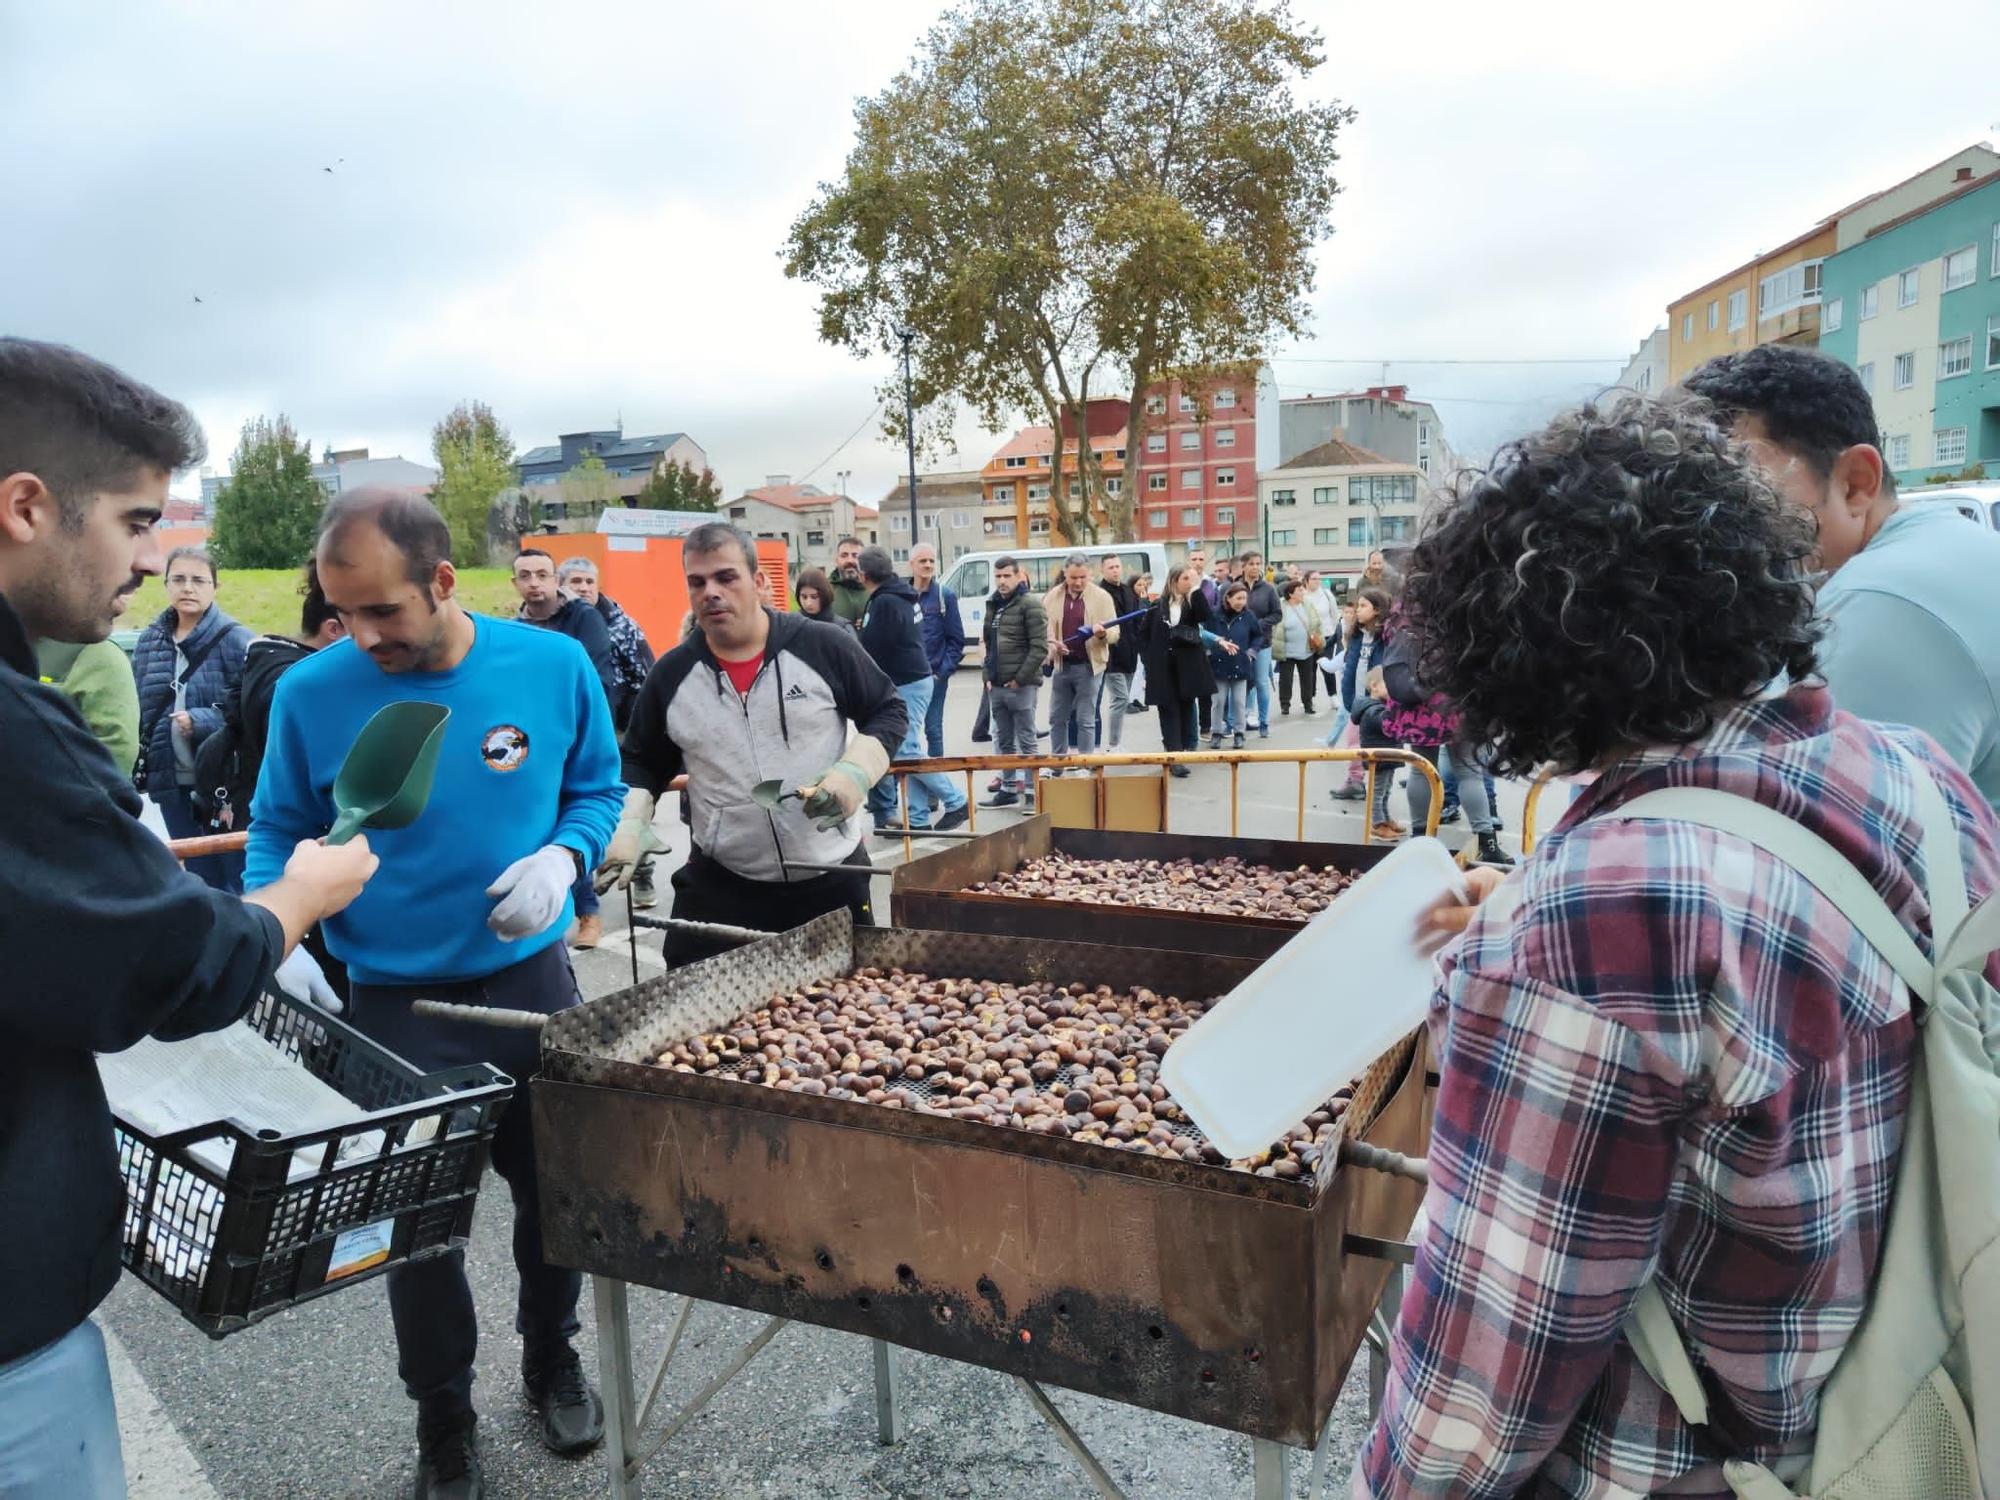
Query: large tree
{"points": [[475, 459], [587, 486], [1072, 198], [680, 487], [267, 513]]}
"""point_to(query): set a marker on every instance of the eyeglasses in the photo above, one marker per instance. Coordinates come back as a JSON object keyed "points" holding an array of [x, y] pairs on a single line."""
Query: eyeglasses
{"points": [[190, 580]]}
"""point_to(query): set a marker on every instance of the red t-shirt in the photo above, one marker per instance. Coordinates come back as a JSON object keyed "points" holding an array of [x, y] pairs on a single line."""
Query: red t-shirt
{"points": [[742, 673]]}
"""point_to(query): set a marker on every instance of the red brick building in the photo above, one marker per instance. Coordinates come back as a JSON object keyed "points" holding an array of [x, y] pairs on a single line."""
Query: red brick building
{"points": [[1195, 469]]}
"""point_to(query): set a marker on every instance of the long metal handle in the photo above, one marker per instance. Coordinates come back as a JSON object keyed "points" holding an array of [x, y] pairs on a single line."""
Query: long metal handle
{"points": [[481, 1015], [1355, 1153]]}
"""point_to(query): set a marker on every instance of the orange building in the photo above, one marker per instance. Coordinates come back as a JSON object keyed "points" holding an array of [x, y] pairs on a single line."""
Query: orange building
{"points": [[1016, 482]]}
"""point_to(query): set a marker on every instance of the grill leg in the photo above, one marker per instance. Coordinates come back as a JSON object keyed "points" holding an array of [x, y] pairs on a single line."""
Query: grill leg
{"points": [[1381, 1328], [614, 1372], [1270, 1469], [1066, 1435], [888, 1393]]}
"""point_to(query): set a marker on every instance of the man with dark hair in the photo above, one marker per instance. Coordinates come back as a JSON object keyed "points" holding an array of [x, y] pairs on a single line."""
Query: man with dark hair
{"points": [[944, 637], [1016, 635], [1667, 1064], [1268, 608], [1080, 638], [471, 906], [755, 694], [544, 602], [892, 633], [850, 594], [1913, 634], [107, 940], [1123, 659], [1211, 591]]}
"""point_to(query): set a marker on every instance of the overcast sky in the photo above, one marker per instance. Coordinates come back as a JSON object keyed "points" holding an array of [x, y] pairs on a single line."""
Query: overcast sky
{"points": [[574, 211]]}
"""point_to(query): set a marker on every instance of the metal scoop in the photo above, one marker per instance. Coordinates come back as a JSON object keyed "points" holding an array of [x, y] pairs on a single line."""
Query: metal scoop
{"points": [[386, 779], [768, 794]]}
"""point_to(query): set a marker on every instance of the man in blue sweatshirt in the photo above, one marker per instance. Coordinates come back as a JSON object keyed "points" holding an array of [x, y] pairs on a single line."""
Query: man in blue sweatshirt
{"points": [[470, 905]]}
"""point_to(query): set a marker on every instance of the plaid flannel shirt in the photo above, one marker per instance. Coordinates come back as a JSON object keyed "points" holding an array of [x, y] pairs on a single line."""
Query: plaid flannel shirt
{"points": [[1663, 1056]]}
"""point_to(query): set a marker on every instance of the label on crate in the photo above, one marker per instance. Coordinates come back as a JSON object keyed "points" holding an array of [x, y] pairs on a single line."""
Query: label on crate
{"points": [[359, 1249]]}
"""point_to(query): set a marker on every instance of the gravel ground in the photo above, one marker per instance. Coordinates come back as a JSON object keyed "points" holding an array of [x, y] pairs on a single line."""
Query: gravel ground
{"points": [[308, 1404]]}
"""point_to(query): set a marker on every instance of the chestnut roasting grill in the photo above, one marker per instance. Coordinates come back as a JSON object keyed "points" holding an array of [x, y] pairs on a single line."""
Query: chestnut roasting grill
{"points": [[1183, 1287]]}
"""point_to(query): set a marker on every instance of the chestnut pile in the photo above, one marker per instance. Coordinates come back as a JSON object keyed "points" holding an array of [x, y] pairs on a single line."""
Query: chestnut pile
{"points": [[1228, 887], [1065, 1060]]}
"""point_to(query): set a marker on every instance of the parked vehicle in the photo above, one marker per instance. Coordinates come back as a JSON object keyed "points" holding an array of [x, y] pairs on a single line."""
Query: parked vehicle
{"points": [[1977, 500], [971, 577]]}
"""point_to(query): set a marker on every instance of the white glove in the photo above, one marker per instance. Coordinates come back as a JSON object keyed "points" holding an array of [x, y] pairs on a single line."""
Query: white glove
{"points": [[633, 841], [531, 891], [300, 977]]}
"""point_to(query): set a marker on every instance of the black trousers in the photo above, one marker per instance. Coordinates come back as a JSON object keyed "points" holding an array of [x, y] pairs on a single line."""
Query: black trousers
{"points": [[1177, 718], [430, 1301], [1306, 671], [705, 891]]}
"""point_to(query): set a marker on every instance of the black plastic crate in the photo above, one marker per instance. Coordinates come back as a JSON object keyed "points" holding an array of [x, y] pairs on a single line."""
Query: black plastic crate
{"points": [[230, 1247]]}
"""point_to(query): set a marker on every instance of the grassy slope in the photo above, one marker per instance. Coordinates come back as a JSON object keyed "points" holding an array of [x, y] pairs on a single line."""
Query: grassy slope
{"points": [[268, 600]]}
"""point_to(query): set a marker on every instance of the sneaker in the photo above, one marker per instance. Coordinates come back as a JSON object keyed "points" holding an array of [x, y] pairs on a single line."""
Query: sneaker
{"points": [[572, 1415], [1215, 741], [1449, 815], [1284, 710], [1002, 799], [1490, 852], [997, 784], [1352, 791], [1178, 771], [643, 894], [982, 739], [1387, 833], [956, 818], [1239, 743], [588, 932], [1401, 828], [1263, 731], [448, 1458]]}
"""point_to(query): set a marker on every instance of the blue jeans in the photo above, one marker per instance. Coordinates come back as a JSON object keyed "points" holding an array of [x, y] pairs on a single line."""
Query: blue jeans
{"points": [[1232, 697], [1261, 665], [934, 716], [58, 1427], [584, 893], [925, 787], [222, 872]]}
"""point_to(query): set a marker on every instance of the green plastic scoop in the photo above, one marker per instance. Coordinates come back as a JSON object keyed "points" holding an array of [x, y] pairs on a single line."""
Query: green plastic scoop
{"points": [[768, 794], [386, 779]]}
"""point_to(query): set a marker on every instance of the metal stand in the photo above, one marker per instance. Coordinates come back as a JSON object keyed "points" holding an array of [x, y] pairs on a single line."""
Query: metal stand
{"points": [[625, 1416]]}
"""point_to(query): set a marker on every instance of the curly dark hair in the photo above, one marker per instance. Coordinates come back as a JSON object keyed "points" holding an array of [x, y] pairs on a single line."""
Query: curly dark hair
{"points": [[1809, 403], [1616, 580]]}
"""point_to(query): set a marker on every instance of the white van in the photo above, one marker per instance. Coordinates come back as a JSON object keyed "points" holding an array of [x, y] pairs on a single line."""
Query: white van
{"points": [[1977, 500], [971, 578]]}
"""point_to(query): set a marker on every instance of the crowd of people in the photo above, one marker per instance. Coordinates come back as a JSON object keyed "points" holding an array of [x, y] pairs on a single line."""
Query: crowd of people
{"points": [[1677, 1066]]}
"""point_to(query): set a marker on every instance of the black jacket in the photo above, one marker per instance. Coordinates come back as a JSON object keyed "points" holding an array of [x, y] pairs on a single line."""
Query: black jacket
{"points": [[1176, 659], [892, 632], [1125, 650], [584, 625], [226, 765], [1266, 606], [106, 940]]}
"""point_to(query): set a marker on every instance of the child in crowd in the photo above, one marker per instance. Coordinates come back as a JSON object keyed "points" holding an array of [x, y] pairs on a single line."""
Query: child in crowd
{"points": [[1368, 718], [1234, 670], [1361, 648]]}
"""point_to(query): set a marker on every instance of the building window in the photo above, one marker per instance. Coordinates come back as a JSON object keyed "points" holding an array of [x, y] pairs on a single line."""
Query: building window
{"points": [[1187, 405], [1075, 489], [1326, 494], [1004, 492], [1423, 434], [1714, 315], [1224, 400], [1906, 288], [1993, 342], [1038, 492], [1225, 479], [1783, 290], [739, 512], [1119, 454], [960, 520], [815, 538], [1156, 482], [1156, 518], [1191, 516], [1226, 516], [1382, 489], [1284, 497], [1871, 301], [1899, 450], [1018, 461], [1357, 532], [1404, 528], [1906, 371], [1961, 268], [1867, 374], [1000, 526], [1326, 536], [1190, 479], [901, 554], [1190, 442], [1114, 485], [1948, 445], [1225, 437], [1038, 526], [1284, 539], [1955, 357], [1995, 270], [1424, 459], [1156, 442], [899, 522], [1156, 406], [1739, 309], [1687, 328], [1830, 317]]}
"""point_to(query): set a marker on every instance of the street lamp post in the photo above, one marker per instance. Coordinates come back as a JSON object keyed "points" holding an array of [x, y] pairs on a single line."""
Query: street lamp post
{"points": [[910, 429]]}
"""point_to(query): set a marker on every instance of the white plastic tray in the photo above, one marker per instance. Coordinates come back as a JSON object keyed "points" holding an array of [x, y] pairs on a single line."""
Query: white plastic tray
{"points": [[1324, 1007]]}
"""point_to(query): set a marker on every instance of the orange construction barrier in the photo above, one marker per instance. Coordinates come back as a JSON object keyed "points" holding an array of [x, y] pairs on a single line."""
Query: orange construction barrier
{"points": [[643, 573]]}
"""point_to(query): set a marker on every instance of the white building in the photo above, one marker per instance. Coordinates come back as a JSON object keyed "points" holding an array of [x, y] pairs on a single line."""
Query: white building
{"points": [[808, 520], [1646, 371], [950, 512], [1333, 505]]}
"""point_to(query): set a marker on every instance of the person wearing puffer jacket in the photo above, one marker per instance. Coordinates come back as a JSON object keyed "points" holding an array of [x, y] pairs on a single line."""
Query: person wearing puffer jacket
{"points": [[1427, 723], [185, 662]]}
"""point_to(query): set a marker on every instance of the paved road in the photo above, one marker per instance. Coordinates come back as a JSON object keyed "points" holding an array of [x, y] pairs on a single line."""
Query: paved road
{"points": [[308, 1404]]}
